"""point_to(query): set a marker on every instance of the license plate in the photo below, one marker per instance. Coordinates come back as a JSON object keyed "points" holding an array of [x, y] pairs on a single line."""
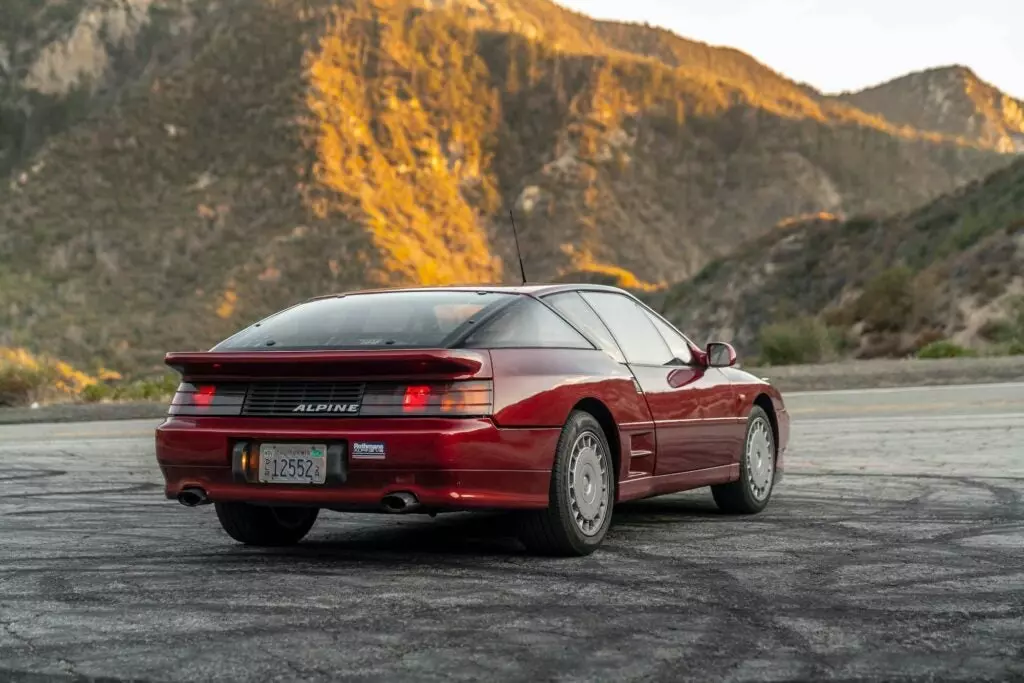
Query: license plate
{"points": [[293, 463]]}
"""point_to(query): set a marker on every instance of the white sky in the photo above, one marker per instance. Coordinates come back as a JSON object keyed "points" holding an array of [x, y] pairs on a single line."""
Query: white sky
{"points": [[837, 45]]}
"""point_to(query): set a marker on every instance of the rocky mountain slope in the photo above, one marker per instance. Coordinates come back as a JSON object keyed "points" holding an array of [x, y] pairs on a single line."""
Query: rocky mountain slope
{"points": [[62, 59], [949, 100], [951, 269], [292, 147]]}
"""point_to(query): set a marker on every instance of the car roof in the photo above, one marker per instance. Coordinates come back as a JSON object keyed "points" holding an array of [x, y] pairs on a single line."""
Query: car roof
{"points": [[532, 290]]}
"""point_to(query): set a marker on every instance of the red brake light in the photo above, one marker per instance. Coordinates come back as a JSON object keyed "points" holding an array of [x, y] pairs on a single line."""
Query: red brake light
{"points": [[207, 400], [204, 395], [416, 397]]}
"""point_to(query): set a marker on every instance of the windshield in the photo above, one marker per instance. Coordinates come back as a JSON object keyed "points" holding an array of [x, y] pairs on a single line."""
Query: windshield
{"points": [[418, 319]]}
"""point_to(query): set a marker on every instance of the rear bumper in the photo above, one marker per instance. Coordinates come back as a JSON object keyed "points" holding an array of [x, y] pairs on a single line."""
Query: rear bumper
{"points": [[446, 463]]}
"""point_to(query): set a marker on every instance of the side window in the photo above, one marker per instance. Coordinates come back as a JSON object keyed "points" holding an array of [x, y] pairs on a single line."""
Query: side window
{"points": [[676, 343], [527, 324], [632, 328], [573, 307]]}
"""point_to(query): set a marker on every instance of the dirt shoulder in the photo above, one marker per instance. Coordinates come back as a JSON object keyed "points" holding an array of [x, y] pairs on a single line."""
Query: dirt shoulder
{"points": [[825, 377], [894, 373]]}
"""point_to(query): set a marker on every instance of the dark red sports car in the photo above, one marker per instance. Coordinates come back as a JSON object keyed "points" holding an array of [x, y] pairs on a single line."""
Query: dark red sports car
{"points": [[554, 401]]}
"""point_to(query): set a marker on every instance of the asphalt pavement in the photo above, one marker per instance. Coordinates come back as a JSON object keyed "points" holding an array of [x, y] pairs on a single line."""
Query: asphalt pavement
{"points": [[893, 550]]}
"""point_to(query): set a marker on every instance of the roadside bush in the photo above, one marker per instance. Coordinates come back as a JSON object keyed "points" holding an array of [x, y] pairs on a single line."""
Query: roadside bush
{"points": [[889, 302], [1008, 332], [150, 389], [26, 378], [998, 331], [944, 349], [801, 340]]}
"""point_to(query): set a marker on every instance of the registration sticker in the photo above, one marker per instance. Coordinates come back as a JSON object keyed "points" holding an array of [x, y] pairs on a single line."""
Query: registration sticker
{"points": [[368, 450]]}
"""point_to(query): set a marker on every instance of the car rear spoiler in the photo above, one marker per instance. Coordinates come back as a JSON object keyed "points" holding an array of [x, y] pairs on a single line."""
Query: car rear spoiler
{"points": [[342, 364]]}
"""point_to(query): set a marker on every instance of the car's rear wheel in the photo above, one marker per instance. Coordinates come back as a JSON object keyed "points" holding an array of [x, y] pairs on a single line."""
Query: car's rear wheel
{"points": [[581, 496], [752, 491], [265, 525]]}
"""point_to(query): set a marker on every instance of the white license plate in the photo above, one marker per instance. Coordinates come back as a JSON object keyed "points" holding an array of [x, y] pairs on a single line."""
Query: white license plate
{"points": [[293, 463]]}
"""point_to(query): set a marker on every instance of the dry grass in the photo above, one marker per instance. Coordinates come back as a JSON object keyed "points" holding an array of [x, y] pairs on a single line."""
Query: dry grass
{"points": [[27, 379]]}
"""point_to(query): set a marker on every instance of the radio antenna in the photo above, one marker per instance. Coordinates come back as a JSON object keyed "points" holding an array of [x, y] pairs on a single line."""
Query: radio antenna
{"points": [[522, 271]]}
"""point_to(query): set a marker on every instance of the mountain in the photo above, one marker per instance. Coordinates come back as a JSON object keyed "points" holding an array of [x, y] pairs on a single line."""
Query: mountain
{"points": [[948, 270], [280, 149], [59, 59], [950, 100]]}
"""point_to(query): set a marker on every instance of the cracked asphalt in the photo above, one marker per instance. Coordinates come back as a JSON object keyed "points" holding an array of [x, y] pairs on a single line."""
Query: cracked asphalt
{"points": [[893, 550]]}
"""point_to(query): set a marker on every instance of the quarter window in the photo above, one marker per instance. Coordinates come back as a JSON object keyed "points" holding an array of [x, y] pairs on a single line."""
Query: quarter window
{"points": [[634, 331], [579, 312], [676, 342], [527, 324]]}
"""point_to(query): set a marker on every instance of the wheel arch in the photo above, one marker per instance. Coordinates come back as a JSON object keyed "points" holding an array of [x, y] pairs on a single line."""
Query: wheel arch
{"points": [[764, 401], [603, 415]]}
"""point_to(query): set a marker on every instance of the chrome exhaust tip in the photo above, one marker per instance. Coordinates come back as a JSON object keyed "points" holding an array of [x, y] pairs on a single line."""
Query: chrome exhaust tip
{"points": [[399, 502], [191, 497]]}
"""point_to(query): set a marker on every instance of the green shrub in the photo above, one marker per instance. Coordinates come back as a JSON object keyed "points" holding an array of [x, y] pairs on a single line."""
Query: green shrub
{"points": [[97, 392], [151, 389], [1008, 332], [20, 385], [998, 331], [944, 349], [889, 301], [801, 340]]}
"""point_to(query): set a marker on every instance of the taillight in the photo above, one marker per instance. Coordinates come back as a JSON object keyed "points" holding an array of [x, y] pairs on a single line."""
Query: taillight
{"points": [[204, 395], [438, 399], [207, 399], [416, 398]]}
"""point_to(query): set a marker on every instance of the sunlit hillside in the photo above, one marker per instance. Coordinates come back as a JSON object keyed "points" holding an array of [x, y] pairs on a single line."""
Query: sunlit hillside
{"points": [[952, 101], [289, 148]]}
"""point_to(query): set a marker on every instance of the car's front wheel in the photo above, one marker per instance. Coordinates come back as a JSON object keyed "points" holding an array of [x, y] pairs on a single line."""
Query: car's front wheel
{"points": [[751, 492], [265, 525], [581, 495]]}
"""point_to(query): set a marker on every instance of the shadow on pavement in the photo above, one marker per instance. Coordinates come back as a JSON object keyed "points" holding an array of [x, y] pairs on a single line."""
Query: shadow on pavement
{"points": [[476, 534]]}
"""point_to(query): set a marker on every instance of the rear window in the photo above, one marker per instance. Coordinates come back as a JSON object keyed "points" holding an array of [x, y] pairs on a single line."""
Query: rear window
{"points": [[421, 319]]}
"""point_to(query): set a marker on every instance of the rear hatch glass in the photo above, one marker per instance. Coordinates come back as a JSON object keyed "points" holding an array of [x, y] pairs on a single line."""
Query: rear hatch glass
{"points": [[391, 320]]}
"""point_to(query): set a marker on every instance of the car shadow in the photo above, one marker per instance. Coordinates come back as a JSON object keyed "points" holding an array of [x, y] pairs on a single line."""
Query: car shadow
{"points": [[370, 538]]}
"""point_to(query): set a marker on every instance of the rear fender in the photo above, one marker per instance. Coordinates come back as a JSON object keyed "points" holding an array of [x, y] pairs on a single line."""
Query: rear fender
{"points": [[540, 387]]}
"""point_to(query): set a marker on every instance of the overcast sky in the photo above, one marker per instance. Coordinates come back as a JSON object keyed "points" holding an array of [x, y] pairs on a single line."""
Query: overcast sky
{"points": [[840, 45]]}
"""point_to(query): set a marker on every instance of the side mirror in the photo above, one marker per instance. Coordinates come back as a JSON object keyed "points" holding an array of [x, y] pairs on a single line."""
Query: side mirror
{"points": [[721, 355]]}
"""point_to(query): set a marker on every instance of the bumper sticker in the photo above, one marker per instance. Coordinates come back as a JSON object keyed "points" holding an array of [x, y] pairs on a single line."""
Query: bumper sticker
{"points": [[368, 450]]}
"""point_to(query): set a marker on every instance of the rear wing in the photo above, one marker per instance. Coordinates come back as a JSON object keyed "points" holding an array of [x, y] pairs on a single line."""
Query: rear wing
{"points": [[427, 364]]}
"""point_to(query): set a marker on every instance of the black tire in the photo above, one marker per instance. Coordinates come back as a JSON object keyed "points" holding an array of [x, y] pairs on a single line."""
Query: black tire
{"points": [[264, 525], [555, 530], [739, 497]]}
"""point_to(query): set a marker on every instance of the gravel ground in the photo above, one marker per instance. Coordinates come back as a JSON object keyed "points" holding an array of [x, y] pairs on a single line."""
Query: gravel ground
{"points": [[893, 550]]}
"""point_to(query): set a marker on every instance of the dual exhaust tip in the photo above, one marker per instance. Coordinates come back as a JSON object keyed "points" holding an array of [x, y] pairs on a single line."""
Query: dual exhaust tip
{"points": [[400, 502], [192, 497], [395, 503]]}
